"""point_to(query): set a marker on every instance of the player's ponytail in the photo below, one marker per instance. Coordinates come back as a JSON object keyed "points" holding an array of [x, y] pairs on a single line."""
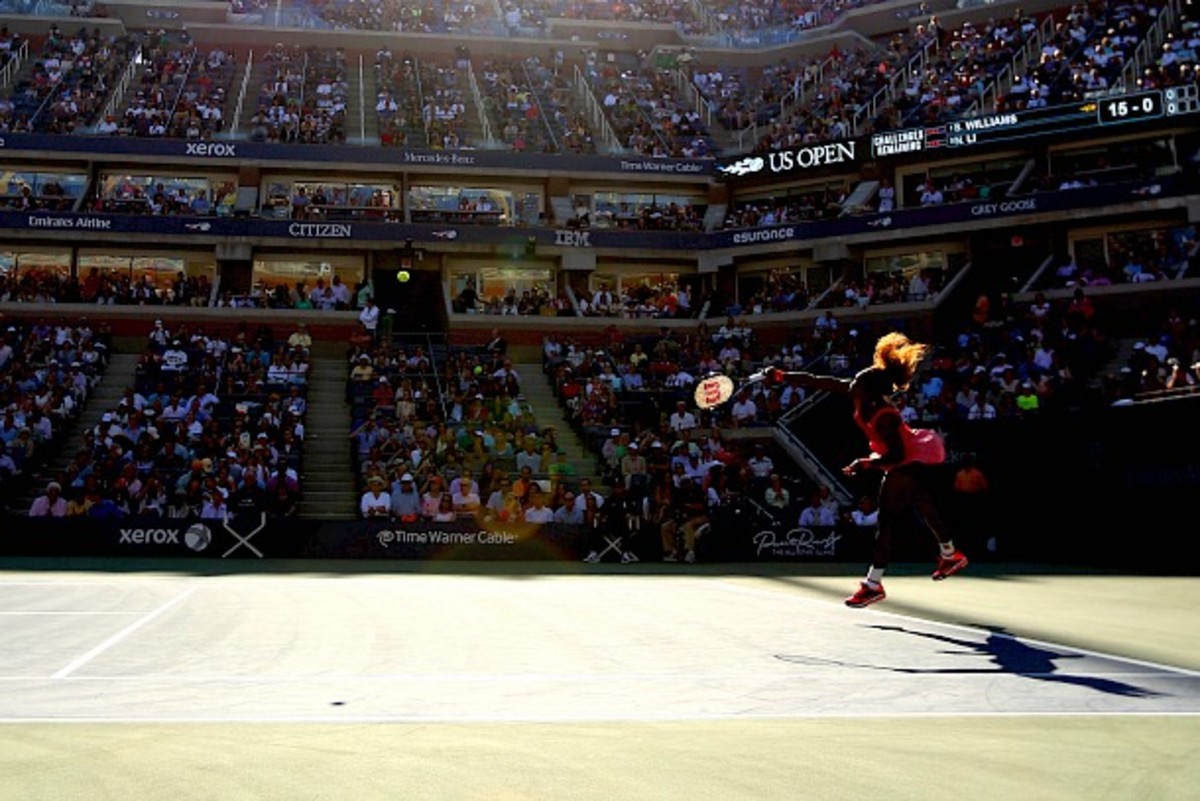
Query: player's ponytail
{"points": [[898, 356]]}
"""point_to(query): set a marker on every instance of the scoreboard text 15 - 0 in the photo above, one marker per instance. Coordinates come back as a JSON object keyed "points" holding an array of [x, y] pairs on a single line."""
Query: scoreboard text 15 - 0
{"points": [[1010, 126]]}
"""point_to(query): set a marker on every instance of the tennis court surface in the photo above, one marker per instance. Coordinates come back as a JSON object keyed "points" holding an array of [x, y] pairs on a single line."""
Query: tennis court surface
{"points": [[533, 682]]}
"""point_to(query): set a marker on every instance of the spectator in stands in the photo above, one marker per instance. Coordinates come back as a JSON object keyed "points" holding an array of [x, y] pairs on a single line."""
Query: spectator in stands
{"points": [[215, 506], [538, 511], [682, 419], [445, 510], [690, 514], [50, 503], [376, 503], [865, 514], [464, 496], [250, 499], [744, 411], [777, 497], [887, 196], [930, 194], [369, 318], [406, 501], [816, 514]]}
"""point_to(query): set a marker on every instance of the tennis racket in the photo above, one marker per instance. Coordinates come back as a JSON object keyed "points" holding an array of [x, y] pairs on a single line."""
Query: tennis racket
{"points": [[715, 389]]}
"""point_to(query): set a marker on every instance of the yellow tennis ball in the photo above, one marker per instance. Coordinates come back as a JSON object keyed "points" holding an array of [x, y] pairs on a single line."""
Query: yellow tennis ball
{"points": [[403, 276]]}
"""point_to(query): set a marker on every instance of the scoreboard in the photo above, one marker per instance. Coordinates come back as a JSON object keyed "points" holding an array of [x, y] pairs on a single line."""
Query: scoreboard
{"points": [[1012, 126]]}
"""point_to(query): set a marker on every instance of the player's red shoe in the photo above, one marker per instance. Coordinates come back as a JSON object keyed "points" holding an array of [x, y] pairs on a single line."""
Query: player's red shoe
{"points": [[947, 566], [866, 595]]}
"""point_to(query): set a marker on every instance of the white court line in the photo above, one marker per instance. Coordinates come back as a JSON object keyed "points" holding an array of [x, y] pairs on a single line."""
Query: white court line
{"points": [[122, 634], [963, 628], [50, 582], [334, 719], [66, 612], [528, 678]]}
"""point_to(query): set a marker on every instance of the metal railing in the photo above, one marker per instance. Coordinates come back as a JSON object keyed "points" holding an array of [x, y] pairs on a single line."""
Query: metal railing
{"points": [[485, 124], [595, 113], [118, 93], [537, 99], [241, 100], [886, 96], [15, 60], [362, 103], [989, 98], [1146, 53]]}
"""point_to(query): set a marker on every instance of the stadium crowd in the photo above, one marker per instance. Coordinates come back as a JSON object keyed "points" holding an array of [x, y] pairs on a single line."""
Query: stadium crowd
{"points": [[47, 374], [213, 427]]}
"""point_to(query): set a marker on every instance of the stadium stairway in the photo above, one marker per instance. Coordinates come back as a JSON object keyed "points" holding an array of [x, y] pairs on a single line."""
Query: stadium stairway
{"points": [[118, 376], [327, 485], [538, 394]]}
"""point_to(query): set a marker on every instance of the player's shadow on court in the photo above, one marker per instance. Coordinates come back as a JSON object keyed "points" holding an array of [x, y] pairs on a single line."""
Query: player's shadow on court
{"points": [[1008, 654]]}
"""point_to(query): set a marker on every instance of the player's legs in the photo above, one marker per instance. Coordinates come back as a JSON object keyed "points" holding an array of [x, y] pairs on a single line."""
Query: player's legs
{"points": [[892, 494], [950, 559]]}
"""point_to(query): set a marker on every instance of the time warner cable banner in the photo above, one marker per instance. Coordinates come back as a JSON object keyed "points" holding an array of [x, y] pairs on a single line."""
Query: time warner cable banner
{"points": [[261, 537]]}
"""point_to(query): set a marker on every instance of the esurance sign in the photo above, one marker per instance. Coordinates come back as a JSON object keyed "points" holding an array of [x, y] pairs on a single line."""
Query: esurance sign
{"points": [[804, 158]]}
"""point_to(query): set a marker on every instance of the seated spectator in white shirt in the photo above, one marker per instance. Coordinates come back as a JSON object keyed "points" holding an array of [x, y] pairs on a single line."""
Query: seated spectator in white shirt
{"points": [[931, 195], [745, 411], [538, 511], [865, 514], [817, 514], [51, 503]]}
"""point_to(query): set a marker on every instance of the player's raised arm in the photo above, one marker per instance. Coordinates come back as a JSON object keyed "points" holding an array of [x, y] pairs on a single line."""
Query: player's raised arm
{"points": [[801, 378]]}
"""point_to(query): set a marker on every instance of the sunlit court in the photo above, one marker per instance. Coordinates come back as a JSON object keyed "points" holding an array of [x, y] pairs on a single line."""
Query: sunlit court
{"points": [[749, 677]]}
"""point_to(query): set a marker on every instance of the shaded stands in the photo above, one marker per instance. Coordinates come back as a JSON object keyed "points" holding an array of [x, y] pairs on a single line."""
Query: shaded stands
{"points": [[440, 414], [444, 90], [514, 107], [647, 109], [62, 88], [1086, 53], [691, 488], [182, 92], [167, 58], [640, 385], [303, 96], [755, 95], [1163, 362], [833, 88], [568, 122], [212, 427], [438, 16], [1134, 257], [47, 374], [422, 102], [398, 101], [533, 107]]}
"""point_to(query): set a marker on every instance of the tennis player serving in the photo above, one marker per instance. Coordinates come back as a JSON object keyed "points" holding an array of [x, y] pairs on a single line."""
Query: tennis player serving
{"points": [[906, 456]]}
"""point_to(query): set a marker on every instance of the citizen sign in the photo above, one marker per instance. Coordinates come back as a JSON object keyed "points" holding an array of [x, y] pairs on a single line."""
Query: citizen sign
{"points": [[316, 230], [209, 149]]}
